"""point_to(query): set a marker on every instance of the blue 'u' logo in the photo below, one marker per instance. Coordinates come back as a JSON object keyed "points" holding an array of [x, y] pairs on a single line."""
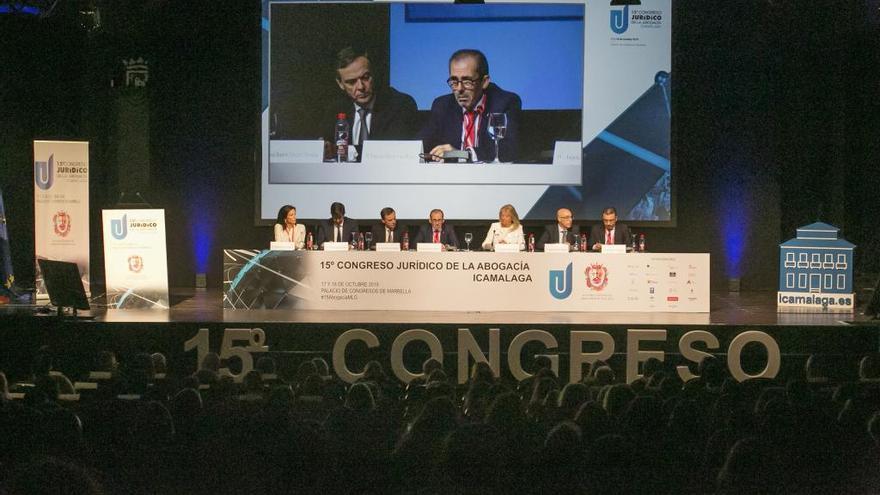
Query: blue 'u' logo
{"points": [[620, 20], [44, 173], [119, 227], [560, 283]]}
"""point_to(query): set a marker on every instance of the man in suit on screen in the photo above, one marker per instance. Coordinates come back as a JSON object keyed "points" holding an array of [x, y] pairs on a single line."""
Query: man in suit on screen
{"points": [[373, 110], [609, 231], [459, 121], [561, 232], [437, 231]]}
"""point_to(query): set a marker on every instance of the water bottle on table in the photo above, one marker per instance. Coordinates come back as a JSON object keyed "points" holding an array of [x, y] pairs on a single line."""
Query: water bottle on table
{"points": [[342, 134]]}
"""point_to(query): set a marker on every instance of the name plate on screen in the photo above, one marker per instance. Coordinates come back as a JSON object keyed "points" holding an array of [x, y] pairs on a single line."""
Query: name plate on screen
{"points": [[567, 153], [556, 248], [429, 247], [297, 151], [387, 152], [282, 246], [387, 247], [614, 248], [506, 248], [335, 246]]}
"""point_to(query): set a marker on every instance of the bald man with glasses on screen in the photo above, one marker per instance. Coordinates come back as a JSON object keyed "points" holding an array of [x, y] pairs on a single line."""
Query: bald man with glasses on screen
{"points": [[459, 121]]}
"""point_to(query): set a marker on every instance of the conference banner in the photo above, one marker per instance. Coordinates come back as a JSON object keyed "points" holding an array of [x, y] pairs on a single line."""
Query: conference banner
{"points": [[466, 281], [61, 206], [135, 259]]}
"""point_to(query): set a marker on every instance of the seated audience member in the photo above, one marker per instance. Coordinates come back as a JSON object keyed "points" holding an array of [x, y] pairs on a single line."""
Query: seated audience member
{"points": [[507, 230], [388, 230], [561, 232], [43, 366], [286, 228], [373, 109], [160, 364], [338, 228], [4, 388], [610, 231], [459, 121], [437, 231], [869, 369]]}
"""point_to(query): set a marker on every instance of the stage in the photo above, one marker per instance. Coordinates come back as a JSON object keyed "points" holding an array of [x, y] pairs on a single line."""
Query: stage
{"points": [[743, 328]]}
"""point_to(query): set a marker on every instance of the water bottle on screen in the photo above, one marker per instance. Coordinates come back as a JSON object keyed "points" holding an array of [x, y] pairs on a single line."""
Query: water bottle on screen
{"points": [[360, 238], [642, 243], [310, 241], [635, 243], [354, 243], [343, 133], [404, 245], [468, 237], [531, 244], [584, 247], [576, 246]]}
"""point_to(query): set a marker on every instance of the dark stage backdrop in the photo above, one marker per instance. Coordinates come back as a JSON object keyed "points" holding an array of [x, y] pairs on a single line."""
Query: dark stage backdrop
{"points": [[774, 125]]}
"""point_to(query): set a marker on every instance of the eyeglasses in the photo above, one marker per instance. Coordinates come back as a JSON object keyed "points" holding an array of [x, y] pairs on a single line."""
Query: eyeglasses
{"points": [[464, 82]]}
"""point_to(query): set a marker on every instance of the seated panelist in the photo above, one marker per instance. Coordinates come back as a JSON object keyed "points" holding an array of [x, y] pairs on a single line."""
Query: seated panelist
{"points": [[507, 230], [388, 230], [437, 231], [561, 232], [338, 228], [286, 228], [609, 231]]}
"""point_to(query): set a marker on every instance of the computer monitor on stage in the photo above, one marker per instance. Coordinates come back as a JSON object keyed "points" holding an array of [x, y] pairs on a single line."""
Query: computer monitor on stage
{"points": [[64, 285]]}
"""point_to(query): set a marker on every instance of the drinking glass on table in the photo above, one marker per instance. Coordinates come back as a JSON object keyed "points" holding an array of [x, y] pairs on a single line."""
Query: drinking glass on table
{"points": [[468, 237], [497, 129]]}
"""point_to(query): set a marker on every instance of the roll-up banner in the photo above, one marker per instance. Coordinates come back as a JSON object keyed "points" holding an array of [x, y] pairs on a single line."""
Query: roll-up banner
{"points": [[61, 206], [135, 259]]}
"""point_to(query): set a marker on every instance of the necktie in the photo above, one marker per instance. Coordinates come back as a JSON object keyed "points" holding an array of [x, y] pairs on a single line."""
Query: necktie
{"points": [[469, 121], [436, 236], [561, 236], [389, 236], [608, 238], [338, 233], [365, 132]]}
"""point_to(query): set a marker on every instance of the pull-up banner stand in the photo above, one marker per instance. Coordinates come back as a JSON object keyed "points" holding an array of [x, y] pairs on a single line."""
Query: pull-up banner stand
{"points": [[61, 206], [135, 258]]}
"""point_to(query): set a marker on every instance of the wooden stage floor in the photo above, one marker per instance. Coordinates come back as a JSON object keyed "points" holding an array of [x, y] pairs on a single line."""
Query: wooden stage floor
{"points": [[738, 309]]}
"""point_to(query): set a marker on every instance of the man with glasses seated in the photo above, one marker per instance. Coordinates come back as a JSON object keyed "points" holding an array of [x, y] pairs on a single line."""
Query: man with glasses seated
{"points": [[373, 110], [459, 121], [561, 232]]}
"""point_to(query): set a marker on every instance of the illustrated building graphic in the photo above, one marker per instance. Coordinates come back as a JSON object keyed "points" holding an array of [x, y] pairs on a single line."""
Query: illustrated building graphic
{"points": [[817, 261]]}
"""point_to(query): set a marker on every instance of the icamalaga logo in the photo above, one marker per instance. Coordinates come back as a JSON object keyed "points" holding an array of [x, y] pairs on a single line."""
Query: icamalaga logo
{"points": [[44, 173], [119, 227], [560, 283]]}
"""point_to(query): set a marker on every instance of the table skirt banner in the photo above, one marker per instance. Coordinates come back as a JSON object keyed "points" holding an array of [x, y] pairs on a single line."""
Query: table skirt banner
{"points": [[465, 281]]}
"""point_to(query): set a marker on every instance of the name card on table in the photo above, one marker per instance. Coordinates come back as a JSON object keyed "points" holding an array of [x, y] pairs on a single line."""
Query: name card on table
{"points": [[297, 151], [556, 248], [429, 247], [387, 247], [567, 153], [282, 246], [335, 246], [613, 249], [506, 248], [388, 152]]}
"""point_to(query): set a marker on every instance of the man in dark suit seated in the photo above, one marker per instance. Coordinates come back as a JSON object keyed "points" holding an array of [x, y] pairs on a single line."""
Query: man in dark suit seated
{"points": [[561, 232], [374, 110], [437, 231], [338, 228], [610, 231], [388, 230], [459, 121]]}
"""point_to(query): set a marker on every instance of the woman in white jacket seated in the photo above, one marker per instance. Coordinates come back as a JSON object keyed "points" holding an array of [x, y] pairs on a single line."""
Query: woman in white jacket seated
{"points": [[507, 230], [286, 228]]}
